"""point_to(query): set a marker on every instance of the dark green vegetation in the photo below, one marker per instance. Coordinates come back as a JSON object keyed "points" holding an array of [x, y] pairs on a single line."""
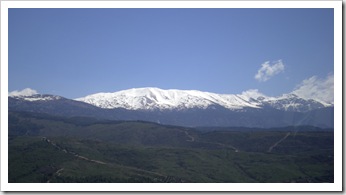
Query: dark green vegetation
{"points": [[45, 148]]}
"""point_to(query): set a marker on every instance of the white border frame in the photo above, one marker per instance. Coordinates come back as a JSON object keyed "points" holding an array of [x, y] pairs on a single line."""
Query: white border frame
{"points": [[336, 186]]}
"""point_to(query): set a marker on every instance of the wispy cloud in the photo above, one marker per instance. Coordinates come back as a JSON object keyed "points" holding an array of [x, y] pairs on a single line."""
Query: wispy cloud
{"points": [[24, 92], [252, 93], [316, 88], [269, 69]]}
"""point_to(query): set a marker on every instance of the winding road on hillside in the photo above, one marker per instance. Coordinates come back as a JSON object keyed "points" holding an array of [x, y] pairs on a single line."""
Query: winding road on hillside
{"points": [[58, 172], [190, 136], [74, 154]]}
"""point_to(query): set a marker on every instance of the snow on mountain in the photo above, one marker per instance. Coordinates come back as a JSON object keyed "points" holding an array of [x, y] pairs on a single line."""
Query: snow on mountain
{"points": [[31, 95], [159, 99], [155, 98], [36, 97], [184, 108], [293, 102]]}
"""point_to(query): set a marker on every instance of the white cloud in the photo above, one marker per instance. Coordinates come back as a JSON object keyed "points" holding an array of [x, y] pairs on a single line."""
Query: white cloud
{"points": [[316, 88], [269, 69], [24, 92], [252, 93]]}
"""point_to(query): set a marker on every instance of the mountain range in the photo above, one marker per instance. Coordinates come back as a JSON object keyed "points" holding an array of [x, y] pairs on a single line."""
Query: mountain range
{"points": [[185, 108]]}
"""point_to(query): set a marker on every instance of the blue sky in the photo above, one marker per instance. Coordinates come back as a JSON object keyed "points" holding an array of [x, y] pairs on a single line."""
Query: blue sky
{"points": [[77, 52]]}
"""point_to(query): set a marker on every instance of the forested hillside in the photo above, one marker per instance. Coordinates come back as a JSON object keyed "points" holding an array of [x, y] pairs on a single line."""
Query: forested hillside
{"points": [[44, 148]]}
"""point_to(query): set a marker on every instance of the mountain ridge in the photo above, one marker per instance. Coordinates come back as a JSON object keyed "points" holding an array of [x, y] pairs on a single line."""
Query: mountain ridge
{"points": [[151, 98], [266, 112]]}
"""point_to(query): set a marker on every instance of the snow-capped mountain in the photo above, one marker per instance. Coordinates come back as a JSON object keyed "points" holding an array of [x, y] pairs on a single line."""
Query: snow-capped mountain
{"points": [[36, 97], [292, 102], [155, 98], [183, 108], [53, 104]]}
